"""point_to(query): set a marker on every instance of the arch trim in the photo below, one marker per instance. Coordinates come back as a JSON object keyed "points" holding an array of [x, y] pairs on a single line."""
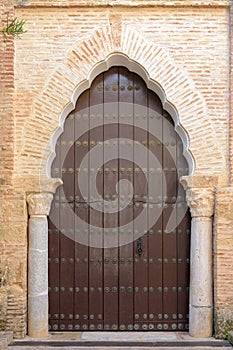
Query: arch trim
{"points": [[120, 59]]}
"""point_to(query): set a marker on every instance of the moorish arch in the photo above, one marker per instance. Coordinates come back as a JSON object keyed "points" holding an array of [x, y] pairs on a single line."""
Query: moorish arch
{"points": [[87, 59], [179, 98], [120, 219]]}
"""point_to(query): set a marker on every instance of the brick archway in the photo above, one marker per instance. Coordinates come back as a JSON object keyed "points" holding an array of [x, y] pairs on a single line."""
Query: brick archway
{"points": [[179, 97], [119, 59], [173, 85]]}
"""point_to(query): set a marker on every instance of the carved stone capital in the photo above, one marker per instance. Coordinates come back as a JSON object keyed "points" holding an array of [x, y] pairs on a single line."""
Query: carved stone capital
{"points": [[200, 201], [39, 203]]}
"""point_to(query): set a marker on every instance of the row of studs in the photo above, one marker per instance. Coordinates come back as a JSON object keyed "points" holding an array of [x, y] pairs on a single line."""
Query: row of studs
{"points": [[136, 197], [115, 289], [120, 205], [115, 116], [114, 231], [116, 87], [115, 143], [116, 171], [136, 316], [150, 326], [121, 260]]}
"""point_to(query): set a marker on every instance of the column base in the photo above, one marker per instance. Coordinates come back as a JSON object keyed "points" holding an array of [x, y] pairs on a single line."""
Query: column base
{"points": [[200, 321], [38, 316]]}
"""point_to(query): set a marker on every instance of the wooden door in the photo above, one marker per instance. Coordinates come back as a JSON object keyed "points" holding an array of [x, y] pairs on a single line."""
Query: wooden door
{"points": [[119, 227]]}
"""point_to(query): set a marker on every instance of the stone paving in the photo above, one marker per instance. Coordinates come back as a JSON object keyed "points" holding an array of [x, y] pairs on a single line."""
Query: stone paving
{"points": [[118, 348], [162, 341]]}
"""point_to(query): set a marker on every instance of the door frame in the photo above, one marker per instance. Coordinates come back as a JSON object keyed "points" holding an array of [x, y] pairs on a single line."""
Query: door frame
{"points": [[200, 198]]}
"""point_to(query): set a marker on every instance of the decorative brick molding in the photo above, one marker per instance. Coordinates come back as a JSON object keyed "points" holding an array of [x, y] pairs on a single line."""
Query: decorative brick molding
{"points": [[174, 86]]}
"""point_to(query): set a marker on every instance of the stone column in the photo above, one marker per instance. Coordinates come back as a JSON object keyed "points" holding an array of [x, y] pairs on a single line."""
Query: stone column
{"points": [[201, 203], [39, 207]]}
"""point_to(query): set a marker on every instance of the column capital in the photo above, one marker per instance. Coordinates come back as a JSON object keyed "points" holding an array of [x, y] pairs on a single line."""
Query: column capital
{"points": [[200, 201], [200, 190], [39, 203]]}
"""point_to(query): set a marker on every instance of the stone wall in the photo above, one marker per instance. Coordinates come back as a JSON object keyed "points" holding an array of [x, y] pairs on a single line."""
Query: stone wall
{"points": [[184, 46]]}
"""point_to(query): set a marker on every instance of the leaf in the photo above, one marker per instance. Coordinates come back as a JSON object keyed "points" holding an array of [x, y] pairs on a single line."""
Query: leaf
{"points": [[14, 28]]}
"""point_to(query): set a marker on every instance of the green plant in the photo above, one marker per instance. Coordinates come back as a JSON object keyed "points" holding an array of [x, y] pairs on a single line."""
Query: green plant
{"points": [[14, 28], [225, 336]]}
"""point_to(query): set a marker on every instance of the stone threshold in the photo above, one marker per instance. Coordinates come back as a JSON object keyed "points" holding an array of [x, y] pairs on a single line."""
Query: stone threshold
{"points": [[6, 338], [230, 337], [120, 339]]}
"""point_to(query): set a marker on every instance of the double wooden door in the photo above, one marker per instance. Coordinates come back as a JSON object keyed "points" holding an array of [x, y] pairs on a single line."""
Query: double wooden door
{"points": [[119, 227]]}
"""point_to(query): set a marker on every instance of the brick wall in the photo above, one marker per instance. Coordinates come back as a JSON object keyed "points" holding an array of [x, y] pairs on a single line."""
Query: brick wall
{"points": [[231, 92], [223, 261], [39, 73], [223, 230], [127, 3], [7, 98], [196, 41], [13, 216]]}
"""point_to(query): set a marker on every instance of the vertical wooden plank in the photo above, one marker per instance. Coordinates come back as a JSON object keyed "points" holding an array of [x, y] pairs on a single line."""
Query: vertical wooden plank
{"points": [[126, 134], [81, 312], [96, 212], [97, 294], [183, 244], [53, 242], [169, 237], [155, 238], [67, 225], [111, 86], [140, 200]]}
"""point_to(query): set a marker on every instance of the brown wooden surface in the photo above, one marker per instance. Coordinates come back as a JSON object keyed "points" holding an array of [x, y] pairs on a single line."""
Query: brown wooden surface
{"points": [[118, 288]]}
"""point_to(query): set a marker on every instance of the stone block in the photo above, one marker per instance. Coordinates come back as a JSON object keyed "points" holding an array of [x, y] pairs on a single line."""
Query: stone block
{"points": [[38, 227], [200, 323], [37, 272], [230, 337], [6, 338], [38, 316]]}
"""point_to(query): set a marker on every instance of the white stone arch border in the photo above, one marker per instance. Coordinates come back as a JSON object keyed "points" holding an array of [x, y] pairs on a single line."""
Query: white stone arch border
{"points": [[187, 107]]}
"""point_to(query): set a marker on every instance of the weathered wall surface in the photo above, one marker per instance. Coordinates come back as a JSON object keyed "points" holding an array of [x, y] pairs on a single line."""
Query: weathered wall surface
{"points": [[113, 3], [64, 40], [13, 222], [223, 261], [195, 39], [223, 231]]}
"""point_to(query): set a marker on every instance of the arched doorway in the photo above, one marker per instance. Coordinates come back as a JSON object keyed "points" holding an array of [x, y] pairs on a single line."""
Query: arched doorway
{"points": [[119, 226]]}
